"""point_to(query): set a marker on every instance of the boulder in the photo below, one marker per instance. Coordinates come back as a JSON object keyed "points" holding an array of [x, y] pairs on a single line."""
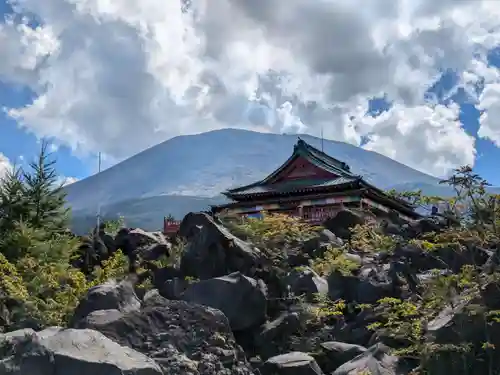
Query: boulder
{"points": [[147, 245], [213, 251], [294, 363], [70, 351], [335, 353], [455, 258], [111, 295], [183, 338], [304, 281], [460, 322], [242, 299], [99, 317], [370, 285], [455, 323], [376, 360], [343, 221], [275, 335], [317, 245], [173, 289]]}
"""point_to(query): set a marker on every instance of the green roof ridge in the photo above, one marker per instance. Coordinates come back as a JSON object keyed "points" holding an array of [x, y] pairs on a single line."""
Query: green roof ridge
{"points": [[322, 157], [309, 152]]}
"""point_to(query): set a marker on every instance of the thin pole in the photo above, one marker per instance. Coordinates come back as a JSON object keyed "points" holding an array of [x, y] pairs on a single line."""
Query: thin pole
{"points": [[322, 139], [99, 202]]}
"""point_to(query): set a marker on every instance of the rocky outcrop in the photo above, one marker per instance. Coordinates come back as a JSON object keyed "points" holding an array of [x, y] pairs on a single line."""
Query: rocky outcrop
{"points": [[295, 363], [343, 221], [334, 354], [241, 298], [111, 296], [139, 244], [304, 281], [213, 251], [183, 338], [226, 310], [70, 351], [375, 360]]}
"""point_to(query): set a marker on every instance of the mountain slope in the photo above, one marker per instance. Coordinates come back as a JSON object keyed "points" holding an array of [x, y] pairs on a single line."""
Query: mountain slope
{"points": [[146, 213], [204, 165]]}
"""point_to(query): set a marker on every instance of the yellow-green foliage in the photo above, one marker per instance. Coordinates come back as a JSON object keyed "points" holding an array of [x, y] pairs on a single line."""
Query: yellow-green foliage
{"points": [[42, 282], [115, 267], [324, 307], [443, 289], [275, 230], [11, 283], [365, 239], [334, 259], [113, 226], [368, 238], [425, 244], [402, 320], [37, 282], [176, 252], [273, 233]]}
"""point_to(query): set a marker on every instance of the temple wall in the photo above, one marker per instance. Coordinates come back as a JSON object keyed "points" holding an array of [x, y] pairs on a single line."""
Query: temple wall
{"points": [[302, 203], [315, 210]]}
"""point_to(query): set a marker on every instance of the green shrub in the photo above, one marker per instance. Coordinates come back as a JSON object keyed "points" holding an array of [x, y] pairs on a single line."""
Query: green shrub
{"points": [[333, 260]]}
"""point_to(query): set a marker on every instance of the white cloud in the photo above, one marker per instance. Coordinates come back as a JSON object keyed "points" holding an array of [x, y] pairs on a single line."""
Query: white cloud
{"points": [[118, 76], [5, 165], [67, 180], [399, 132]]}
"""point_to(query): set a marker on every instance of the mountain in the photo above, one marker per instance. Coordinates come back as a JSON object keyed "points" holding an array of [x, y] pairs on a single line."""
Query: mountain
{"points": [[189, 172], [146, 213]]}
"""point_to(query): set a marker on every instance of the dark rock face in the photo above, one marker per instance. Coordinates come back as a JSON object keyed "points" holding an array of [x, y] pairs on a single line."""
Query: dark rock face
{"points": [[342, 222], [274, 335], [314, 247], [213, 251], [369, 286], [458, 323], [183, 338], [304, 281], [334, 354], [148, 245], [110, 296], [138, 244], [241, 298], [70, 351], [174, 288]]}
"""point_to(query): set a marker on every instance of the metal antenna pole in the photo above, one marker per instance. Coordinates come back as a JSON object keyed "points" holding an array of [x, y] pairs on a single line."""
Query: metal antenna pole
{"points": [[322, 139], [99, 202]]}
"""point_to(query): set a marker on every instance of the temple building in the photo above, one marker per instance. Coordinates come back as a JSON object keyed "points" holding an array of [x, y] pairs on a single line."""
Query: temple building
{"points": [[313, 186]]}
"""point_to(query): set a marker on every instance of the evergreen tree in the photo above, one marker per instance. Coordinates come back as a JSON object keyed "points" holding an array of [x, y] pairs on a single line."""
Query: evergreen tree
{"points": [[14, 203], [46, 195]]}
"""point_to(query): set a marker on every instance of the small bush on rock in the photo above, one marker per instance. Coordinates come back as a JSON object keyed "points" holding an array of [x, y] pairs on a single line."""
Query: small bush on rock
{"points": [[333, 260], [273, 234], [368, 238]]}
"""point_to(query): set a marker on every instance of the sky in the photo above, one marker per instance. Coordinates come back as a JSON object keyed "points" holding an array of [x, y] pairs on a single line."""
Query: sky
{"points": [[417, 81]]}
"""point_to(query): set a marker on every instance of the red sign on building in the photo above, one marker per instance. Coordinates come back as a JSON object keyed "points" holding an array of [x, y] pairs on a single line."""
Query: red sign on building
{"points": [[171, 227]]}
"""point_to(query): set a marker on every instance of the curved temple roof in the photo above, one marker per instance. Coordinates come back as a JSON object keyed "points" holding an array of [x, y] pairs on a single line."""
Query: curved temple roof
{"points": [[342, 178], [315, 157]]}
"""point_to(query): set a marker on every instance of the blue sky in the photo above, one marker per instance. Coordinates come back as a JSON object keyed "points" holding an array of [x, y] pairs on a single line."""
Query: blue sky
{"points": [[20, 145]]}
